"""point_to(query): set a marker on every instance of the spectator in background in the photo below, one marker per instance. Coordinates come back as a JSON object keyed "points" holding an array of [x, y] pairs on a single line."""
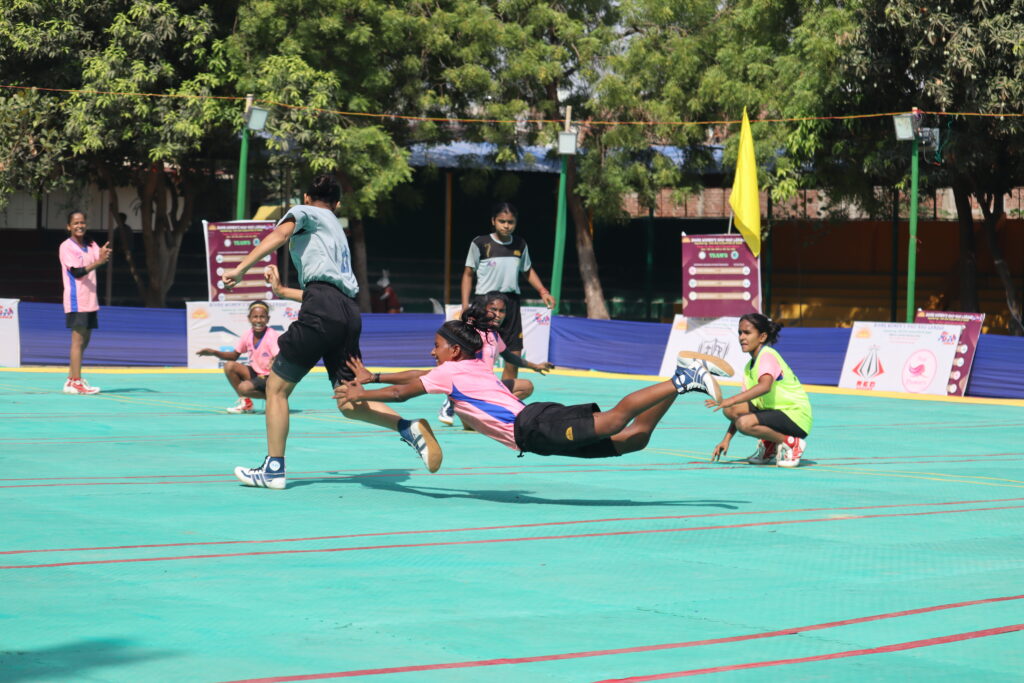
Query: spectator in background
{"points": [[79, 259], [382, 297]]}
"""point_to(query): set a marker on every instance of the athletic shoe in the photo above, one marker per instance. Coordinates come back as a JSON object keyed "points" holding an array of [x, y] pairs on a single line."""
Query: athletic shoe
{"points": [[79, 386], [765, 453], [692, 375], [269, 475], [244, 405], [447, 414], [790, 452], [713, 364], [421, 438]]}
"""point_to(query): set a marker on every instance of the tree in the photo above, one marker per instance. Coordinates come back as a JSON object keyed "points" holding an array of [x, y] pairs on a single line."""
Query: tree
{"points": [[962, 57], [162, 145]]}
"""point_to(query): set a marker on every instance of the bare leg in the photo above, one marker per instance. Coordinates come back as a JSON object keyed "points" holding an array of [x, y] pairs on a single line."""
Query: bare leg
{"points": [[611, 422], [249, 390], [522, 388], [236, 374], [637, 435], [278, 391], [79, 341], [746, 423], [373, 412]]}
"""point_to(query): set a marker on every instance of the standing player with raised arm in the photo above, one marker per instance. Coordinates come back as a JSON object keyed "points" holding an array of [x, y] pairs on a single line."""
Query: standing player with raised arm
{"points": [[79, 259], [328, 327]]}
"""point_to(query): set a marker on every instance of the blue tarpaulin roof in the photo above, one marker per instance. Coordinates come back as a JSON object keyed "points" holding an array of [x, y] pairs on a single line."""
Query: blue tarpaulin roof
{"points": [[532, 158]]}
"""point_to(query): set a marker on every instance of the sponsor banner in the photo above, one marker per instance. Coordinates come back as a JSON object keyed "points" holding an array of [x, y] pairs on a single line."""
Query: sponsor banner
{"points": [[903, 357], [964, 358], [219, 325], [10, 334], [227, 244], [721, 277], [536, 330], [714, 336]]}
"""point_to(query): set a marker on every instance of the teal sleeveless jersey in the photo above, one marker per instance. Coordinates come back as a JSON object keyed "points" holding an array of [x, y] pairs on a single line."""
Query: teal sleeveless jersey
{"points": [[787, 394]]}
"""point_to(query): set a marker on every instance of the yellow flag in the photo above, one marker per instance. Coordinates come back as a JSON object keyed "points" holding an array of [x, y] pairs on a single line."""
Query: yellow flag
{"points": [[745, 199]]}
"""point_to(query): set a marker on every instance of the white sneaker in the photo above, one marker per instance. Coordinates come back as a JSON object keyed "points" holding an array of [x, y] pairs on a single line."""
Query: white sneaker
{"points": [[765, 453], [423, 441], [79, 386], [269, 475], [790, 452], [692, 375], [447, 414], [713, 364], [244, 405]]}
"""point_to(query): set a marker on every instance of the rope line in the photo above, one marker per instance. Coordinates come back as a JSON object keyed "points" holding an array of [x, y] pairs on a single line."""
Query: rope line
{"points": [[445, 119]]}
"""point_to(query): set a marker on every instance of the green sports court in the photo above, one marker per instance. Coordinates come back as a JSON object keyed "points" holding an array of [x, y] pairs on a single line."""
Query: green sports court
{"points": [[131, 553]]}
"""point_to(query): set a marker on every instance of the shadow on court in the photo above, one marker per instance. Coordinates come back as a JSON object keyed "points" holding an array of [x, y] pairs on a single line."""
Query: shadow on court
{"points": [[73, 660], [393, 481]]}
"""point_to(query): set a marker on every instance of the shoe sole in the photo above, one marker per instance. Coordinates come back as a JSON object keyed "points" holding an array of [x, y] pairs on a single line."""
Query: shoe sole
{"points": [[446, 421], [276, 484], [434, 454], [716, 366]]}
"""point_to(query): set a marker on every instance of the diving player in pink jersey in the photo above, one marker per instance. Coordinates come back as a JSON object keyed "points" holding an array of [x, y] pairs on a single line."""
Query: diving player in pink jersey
{"points": [[495, 305], [79, 259], [486, 404]]}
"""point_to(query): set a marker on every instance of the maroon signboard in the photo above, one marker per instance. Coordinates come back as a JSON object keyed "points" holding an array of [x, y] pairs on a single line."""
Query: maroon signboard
{"points": [[721, 277], [964, 358], [226, 245]]}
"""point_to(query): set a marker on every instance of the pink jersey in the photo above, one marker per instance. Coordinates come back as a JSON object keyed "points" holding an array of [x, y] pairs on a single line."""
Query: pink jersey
{"points": [[479, 397], [493, 345], [79, 292], [261, 355]]}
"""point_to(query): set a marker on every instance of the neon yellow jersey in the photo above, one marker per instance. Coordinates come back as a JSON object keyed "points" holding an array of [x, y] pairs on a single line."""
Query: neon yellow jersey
{"points": [[786, 394]]}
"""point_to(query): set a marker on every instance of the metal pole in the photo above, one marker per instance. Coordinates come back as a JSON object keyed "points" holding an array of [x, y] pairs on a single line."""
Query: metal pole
{"points": [[912, 250], [559, 255], [243, 171], [447, 238]]}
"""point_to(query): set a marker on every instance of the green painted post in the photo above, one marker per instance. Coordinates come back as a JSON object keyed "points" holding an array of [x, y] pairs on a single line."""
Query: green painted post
{"points": [[912, 249], [243, 173], [559, 255]]}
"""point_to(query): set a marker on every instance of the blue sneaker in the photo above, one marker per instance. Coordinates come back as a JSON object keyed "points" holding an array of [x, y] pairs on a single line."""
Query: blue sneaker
{"points": [[269, 475], [421, 438], [447, 414], [692, 375]]}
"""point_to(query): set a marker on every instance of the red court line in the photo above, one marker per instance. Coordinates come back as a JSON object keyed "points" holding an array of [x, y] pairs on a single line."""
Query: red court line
{"points": [[398, 546], [603, 520], [627, 650], [897, 647]]}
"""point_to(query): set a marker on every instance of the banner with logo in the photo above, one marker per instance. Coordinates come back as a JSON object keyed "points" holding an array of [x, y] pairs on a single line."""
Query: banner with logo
{"points": [[219, 324], [10, 334], [536, 330], [713, 336], [721, 277], [903, 357], [968, 344], [227, 244]]}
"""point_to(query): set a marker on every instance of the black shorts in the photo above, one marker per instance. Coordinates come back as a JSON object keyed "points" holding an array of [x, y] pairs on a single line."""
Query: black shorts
{"points": [[259, 382], [779, 421], [555, 429], [511, 328], [89, 320], [328, 327]]}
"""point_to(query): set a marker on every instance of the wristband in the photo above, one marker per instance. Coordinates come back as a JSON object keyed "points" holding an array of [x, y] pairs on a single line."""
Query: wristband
{"points": [[376, 378]]}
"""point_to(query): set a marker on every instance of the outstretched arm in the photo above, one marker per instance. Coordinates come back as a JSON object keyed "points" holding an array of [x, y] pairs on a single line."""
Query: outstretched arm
{"points": [[520, 362], [354, 392], [364, 376], [270, 243]]}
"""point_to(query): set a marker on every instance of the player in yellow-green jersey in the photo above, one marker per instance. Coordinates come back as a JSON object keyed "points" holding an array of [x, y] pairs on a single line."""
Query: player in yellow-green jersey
{"points": [[773, 406]]}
